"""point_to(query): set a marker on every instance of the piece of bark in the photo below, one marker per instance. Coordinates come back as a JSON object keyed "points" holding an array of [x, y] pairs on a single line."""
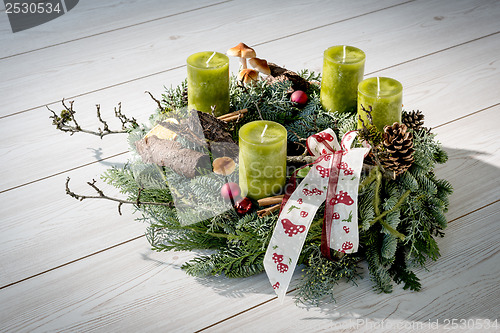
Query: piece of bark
{"points": [[280, 74], [207, 131], [213, 129], [216, 133], [172, 155]]}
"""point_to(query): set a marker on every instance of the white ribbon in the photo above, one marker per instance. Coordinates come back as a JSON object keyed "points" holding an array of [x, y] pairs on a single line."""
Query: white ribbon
{"points": [[297, 214]]}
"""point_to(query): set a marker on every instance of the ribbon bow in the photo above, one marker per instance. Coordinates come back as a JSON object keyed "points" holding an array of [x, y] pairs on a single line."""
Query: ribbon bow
{"points": [[333, 177]]}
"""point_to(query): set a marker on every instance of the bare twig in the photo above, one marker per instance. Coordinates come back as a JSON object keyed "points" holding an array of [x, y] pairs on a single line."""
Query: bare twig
{"points": [[66, 121], [306, 159], [101, 195], [154, 99], [300, 139]]}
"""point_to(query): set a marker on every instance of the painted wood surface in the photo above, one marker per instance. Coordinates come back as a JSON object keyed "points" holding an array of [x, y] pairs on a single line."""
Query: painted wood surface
{"points": [[79, 266]]}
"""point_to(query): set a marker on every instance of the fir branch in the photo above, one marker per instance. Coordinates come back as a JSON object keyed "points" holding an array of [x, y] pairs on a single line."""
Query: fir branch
{"points": [[398, 204], [242, 86], [321, 275]]}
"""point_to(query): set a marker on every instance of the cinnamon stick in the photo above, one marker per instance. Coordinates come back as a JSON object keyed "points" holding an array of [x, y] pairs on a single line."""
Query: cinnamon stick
{"points": [[270, 200], [232, 114], [267, 211]]}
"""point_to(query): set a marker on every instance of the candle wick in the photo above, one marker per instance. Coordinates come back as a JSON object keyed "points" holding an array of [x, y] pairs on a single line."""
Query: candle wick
{"points": [[210, 58], [343, 56], [262, 135], [378, 86]]}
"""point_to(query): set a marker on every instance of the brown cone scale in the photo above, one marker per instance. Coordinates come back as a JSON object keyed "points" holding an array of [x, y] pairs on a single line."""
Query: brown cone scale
{"points": [[398, 148]]}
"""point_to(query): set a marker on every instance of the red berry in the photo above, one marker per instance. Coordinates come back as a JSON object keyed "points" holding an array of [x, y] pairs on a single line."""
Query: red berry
{"points": [[230, 191], [299, 97], [243, 206]]}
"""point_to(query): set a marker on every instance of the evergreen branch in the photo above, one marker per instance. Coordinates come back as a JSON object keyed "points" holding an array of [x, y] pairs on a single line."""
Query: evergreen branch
{"points": [[398, 204], [392, 231], [369, 179], [101, 195], [245, 89], [66, 121], [378, 185]]}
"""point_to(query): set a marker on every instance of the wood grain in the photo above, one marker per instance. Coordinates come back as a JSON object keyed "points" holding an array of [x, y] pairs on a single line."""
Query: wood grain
{"points": [[484, 68], [90, 63], [70, 28], [79, 266], [459, 276]]}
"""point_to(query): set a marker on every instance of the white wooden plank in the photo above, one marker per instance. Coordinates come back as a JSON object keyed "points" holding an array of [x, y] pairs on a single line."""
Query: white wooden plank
{"points": [[108, 291], [473, 168], [423, 77], [92, 63], [131, 288], [463, 284], [89, 18], [36, 149], [42, 227], [420, 78]]}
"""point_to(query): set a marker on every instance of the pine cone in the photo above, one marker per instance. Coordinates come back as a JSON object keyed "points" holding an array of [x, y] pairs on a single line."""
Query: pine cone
{"points": [[398, 144], [413, 119], [371, 134]]}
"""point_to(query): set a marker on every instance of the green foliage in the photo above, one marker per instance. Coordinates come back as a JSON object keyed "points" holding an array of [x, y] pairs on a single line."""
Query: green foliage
{"points": [[320, 275], [399, 219]]}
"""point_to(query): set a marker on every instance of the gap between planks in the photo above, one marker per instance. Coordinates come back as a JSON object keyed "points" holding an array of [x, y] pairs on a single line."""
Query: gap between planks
{"points": [[116, 29], [72, 261], [182, 66], [125, 152], [289, 291]]}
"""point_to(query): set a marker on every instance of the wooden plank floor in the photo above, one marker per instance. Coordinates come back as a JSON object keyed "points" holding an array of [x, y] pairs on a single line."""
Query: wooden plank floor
{"points": [[79, 266]]}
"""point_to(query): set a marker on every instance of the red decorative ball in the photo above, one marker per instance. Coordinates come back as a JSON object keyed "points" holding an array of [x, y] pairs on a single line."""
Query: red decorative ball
{"points": [[230, 191], [299, 97], [243, 206]]}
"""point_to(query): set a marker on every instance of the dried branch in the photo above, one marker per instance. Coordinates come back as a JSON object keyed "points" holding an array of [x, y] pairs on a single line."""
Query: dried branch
{"points": [[154, 99], [66, 121], [306, 159], [101, 195]]}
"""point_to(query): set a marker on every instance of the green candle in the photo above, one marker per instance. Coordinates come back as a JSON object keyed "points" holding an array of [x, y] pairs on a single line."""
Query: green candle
{"points": [[343, 68], [385, 96], [208, 82], [262, 158]]}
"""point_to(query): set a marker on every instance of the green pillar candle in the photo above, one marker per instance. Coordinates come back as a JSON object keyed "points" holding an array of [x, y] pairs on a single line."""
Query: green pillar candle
{"points": [[343, 68], [262, 158], [385, 96], [208, 82]]}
